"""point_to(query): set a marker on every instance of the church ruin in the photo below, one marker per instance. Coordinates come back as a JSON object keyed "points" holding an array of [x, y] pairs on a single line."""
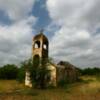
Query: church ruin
{"points": [[40, 48], [40, 52]]}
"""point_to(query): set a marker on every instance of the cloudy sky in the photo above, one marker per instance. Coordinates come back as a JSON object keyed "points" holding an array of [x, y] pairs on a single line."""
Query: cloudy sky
{"points": [[72, 26]]}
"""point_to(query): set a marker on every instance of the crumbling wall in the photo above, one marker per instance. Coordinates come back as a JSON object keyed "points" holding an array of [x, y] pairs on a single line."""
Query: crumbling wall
{"points": [[67, 72]]}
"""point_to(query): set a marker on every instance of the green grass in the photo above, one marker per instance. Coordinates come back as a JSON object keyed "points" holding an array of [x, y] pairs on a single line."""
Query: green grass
{"points": [[87, 89]]}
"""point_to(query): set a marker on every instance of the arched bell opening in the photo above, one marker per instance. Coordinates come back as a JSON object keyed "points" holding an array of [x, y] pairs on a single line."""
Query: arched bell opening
{"points": [[45, 45], [37, 44]]}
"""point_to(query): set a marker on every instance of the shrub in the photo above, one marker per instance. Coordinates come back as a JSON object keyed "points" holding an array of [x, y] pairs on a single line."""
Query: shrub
{"points": [[21, 74]]}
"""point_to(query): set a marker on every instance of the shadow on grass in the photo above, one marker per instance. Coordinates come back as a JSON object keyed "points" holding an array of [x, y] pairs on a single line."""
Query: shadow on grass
{"points": [[85, 81], [20, 92]]}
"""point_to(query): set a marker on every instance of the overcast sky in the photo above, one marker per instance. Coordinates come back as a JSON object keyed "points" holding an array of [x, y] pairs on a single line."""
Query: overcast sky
{"points": [[72, 26]]}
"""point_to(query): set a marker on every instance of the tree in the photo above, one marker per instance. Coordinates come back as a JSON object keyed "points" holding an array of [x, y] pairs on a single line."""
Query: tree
{"points": [[39, 74], [23, 67], [9, 71]]}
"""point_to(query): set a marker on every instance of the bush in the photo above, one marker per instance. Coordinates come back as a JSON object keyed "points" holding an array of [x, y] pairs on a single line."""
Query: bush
{"points": [[21, 71], [21, 74]]}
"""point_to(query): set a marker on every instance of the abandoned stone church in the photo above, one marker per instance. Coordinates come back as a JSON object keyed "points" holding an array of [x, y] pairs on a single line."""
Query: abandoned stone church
{"points": [[57, 72]]}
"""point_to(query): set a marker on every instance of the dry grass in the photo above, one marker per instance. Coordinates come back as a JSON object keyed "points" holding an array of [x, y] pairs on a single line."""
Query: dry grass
{"points": [[89, 89], [10, 85]]}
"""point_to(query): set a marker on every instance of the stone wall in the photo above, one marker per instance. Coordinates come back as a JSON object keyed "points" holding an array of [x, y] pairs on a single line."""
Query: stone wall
{"points": [[67, 72]]}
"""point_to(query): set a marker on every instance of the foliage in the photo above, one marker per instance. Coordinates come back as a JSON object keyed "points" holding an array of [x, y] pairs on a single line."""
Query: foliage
{"points": [[39, 74], [62, 83], [23, 66], [8, 72], [90, 71], [21, 74]]}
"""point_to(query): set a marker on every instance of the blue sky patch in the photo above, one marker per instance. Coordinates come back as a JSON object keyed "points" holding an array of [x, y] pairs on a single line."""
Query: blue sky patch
{"points": [[41, 13], [4, 19]]}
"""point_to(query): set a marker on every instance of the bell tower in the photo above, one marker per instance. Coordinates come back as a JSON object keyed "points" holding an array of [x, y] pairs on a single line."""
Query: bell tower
{"points": [[40, 49]]}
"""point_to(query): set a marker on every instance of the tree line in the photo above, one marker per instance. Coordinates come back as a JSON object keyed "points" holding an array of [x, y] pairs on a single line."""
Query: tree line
{"points": [[90, 71], [11, 71]]}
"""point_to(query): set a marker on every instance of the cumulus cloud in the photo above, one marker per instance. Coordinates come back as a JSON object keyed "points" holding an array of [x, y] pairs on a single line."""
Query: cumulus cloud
{"points": [[77, 39], [16, 38], [16, 9], [15, 41]]}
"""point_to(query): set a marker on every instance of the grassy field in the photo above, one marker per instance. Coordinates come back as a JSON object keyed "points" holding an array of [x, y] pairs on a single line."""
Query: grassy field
{"points": [[88, 89]]}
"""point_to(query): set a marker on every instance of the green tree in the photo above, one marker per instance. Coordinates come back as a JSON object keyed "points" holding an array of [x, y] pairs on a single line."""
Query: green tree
{"points": [[9, 71], [22, 69], [39, 74]]}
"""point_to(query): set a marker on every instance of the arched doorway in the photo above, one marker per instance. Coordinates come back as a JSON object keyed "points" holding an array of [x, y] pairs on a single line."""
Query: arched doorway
{"points": [[36, 61]]}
